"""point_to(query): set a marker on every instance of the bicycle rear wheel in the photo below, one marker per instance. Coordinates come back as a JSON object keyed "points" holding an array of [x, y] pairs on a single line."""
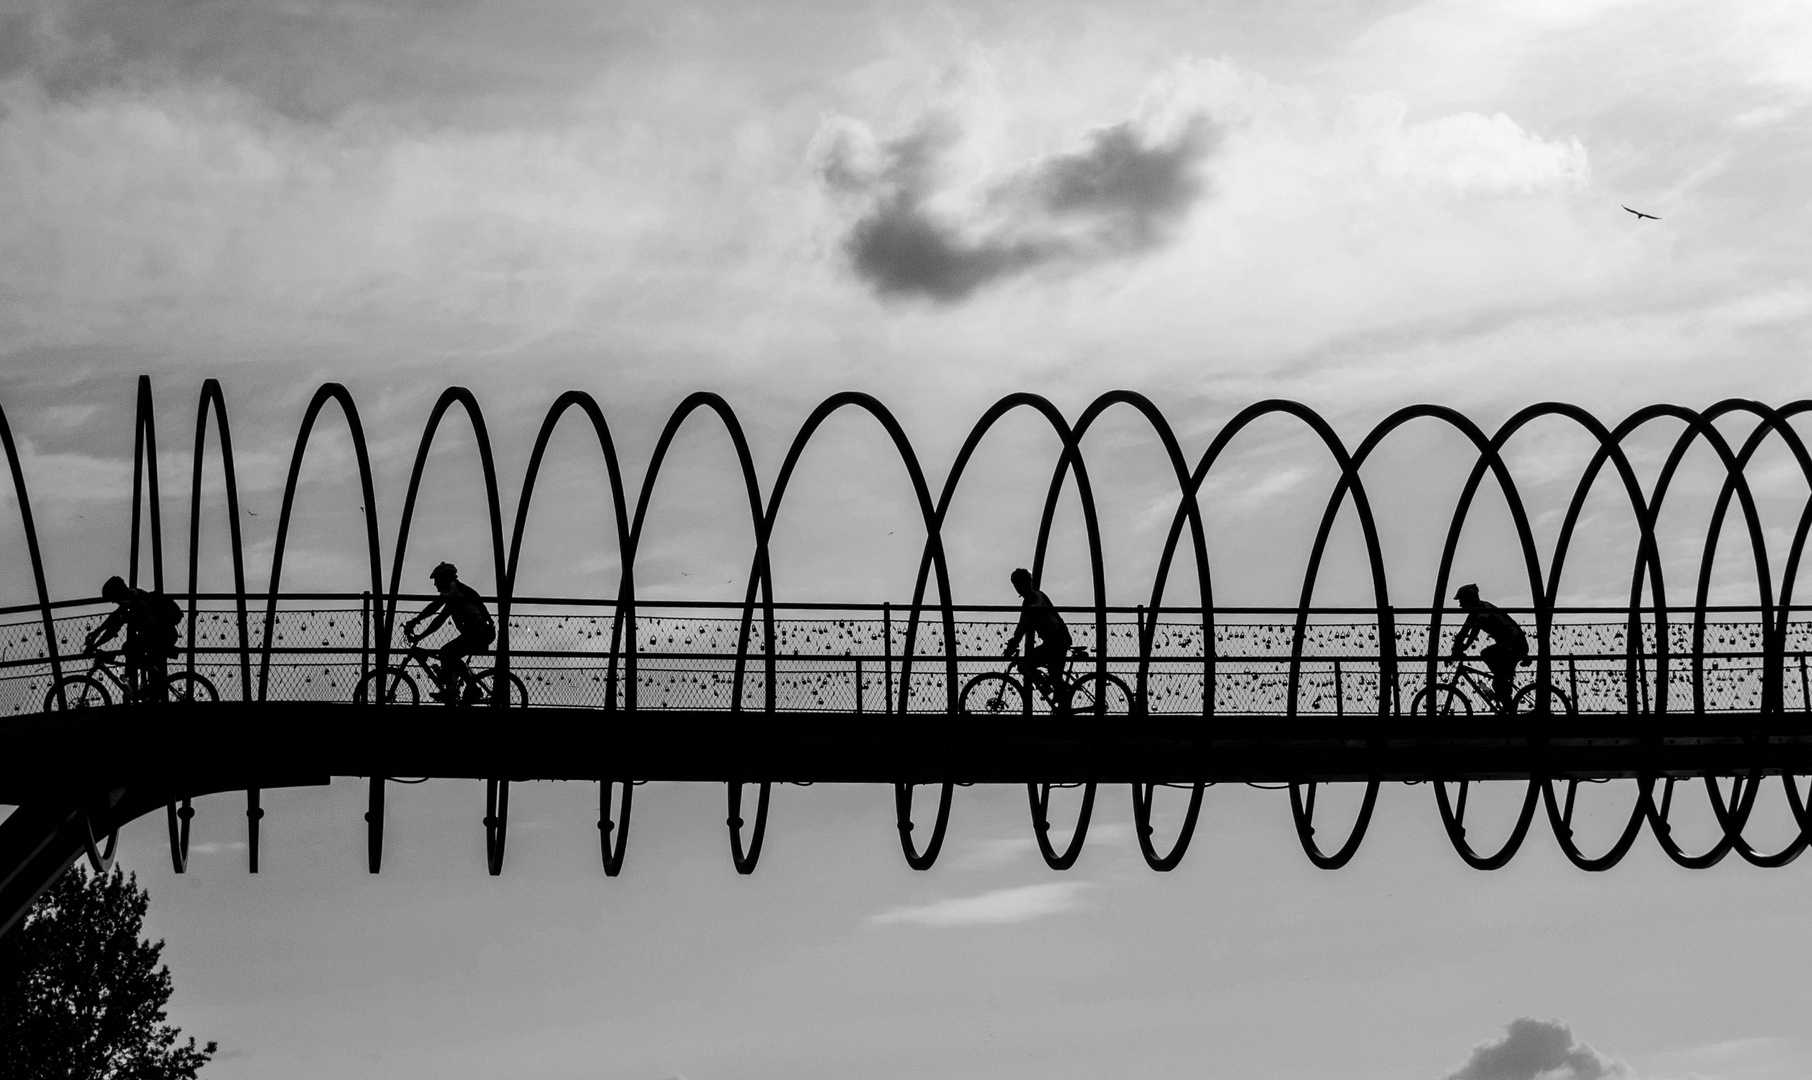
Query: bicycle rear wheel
{"points": [[995, 694], [1527, 699], [390, 686], [77, 692], [1097, 695]]}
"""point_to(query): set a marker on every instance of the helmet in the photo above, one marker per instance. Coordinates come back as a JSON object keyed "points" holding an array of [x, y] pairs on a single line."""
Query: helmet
{"points": [[443, 571], [114, 590], [1467, 592], [1022, 577]]}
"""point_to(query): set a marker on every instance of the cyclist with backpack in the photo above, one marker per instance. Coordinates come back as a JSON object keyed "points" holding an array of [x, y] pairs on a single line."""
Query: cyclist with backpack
{"points": [[462, 604], [1509, 645], [150, 620], [1047, 638]]}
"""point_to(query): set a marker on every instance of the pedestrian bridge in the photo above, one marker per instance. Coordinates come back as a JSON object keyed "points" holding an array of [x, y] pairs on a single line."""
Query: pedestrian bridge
{"points": [[278, 687]]}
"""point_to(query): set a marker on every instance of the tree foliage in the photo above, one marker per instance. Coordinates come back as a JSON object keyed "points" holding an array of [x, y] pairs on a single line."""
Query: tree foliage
{"points": [[82, 996]]}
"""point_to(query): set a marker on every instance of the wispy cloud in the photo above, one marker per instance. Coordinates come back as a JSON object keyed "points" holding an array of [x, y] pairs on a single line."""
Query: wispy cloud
{"points": [[1534, 1048], [1735, 1059], [215, 848], [998, 852], [995, 908]]}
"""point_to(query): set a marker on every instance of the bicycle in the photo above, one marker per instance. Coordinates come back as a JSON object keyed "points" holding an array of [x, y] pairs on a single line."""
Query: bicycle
{"points": [[394, 685], [1090, 694], [1456, 696], [89, 690]]}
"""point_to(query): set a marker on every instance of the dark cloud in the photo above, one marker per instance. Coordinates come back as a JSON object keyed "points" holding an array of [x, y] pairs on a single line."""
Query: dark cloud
{"points": [[1116, 196], [1532, 1048], [315, 59]]}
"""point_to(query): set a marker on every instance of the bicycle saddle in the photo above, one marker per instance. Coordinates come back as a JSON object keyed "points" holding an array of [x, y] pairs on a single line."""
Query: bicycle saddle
{"points": [[1078, 650]]}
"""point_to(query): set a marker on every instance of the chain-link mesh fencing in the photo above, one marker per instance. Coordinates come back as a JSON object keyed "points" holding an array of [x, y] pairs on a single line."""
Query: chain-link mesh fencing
{"points": [[857, 661]]}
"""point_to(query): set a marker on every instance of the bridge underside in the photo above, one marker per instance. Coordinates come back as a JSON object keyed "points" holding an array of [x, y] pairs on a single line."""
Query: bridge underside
{"points": [[76, 778], [229, 746]]}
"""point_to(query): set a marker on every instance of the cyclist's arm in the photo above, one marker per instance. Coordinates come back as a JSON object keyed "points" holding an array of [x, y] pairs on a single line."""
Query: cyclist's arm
{"points": [[432, 611], [1023, 630], [1463, 640], [103, 633]]}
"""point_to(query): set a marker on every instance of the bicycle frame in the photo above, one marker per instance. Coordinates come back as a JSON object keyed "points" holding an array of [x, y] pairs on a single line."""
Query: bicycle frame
{"points": [[1472, 683], [1088, 694], [1481, 684], [427, 659], [1037, 678], [112, 664]]}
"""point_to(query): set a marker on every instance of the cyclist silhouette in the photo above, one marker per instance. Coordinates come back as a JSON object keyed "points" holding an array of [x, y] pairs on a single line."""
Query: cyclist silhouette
{"points": [[1509, 646], [1039, 621], [149, 636], [460, 602]]}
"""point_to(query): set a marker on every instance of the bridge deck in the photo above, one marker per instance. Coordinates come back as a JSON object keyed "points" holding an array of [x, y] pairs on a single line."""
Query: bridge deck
{"points": [[231, 745]]}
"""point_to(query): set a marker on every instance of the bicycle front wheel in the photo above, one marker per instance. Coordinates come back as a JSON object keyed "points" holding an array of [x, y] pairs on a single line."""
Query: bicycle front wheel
{"points": [[1098, 695], [995, 695], [486, 681], [1528, 700], [1450, 703], [391, 686], [77, 692], [187, 688]]}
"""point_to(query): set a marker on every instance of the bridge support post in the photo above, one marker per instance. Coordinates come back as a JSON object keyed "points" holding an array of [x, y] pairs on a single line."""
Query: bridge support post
{"points": [[178, 821], [374, 825], [254, 813]]}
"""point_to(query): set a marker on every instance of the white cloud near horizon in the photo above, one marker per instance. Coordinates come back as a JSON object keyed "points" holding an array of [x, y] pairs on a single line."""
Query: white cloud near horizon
{"points": [[997, 908]]}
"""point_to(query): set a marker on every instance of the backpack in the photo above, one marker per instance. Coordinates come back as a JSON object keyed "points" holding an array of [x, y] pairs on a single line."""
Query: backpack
{"points": [[166, 616]]}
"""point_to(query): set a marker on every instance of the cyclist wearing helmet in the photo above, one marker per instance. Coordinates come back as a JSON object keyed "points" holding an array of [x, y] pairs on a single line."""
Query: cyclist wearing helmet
{"points": [[461, 603], [1040, 620], [1509, 647]]}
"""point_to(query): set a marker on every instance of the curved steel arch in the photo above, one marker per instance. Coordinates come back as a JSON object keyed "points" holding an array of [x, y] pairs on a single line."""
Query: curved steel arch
{"points": [[1302, 810], [506, 588], [1490, 461], [30, 527], [451, 396], [1609, 449], [1143, 794], [337, 394], [1071, 457], [744, 856], [763, 570], [212, 399], [144, 467]]}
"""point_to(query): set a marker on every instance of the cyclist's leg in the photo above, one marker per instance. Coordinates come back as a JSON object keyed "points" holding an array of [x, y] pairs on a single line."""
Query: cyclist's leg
{"points": [[453, 659], [1026, 665], [156, 678], [452, 674], [144, 674], [1051, 656], [1502, 661]]}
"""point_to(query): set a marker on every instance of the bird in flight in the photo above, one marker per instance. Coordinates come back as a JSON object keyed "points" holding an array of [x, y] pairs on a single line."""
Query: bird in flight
{"points": [[1640, 215]]}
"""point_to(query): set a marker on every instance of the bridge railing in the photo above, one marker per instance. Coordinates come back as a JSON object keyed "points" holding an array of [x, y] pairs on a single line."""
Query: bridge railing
{"points": [[877, 659]]}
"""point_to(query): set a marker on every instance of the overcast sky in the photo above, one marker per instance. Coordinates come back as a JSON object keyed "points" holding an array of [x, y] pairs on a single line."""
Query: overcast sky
{"points": [[1359, 206]]}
